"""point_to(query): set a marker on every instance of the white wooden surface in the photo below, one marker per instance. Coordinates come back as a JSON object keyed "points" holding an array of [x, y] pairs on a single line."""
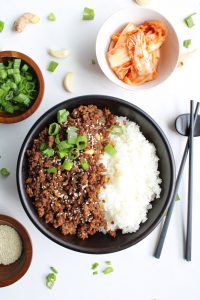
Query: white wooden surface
{"points": [[138, 275]]}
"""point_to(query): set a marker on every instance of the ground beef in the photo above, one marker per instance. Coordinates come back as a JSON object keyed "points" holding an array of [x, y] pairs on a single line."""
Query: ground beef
{"points": [[69, 199]]}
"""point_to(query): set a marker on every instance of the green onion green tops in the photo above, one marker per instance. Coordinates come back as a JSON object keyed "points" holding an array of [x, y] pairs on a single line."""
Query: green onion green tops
{"points": [[50, 280], [54, 129], [54, 270], [177, 197], [187, 43], [94, 265], [73, 153], [43, 146], [48, 152], [116, 130], [4, 172], [52, 66], [81, 142], [52, 170], [51, 17], [84, 164], [189, 20], [67, 165], [1, 26], [18, 88], [62, 116], [110, 149], [72, 135], [108, 270], [108, 262], [88, 14]]}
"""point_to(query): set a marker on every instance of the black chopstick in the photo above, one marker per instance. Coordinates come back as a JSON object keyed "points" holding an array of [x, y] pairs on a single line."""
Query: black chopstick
{"points": [[190, 187], [178, 180]]}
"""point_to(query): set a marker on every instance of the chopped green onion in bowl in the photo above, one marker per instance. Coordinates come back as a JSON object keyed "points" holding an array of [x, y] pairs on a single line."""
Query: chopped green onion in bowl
{"points": [[48, 152], [1, 26], [67, 165], [62, 116], [84, 164], [81, 142], [18, 88], [72, 135], [52, 170], [54, 129]]}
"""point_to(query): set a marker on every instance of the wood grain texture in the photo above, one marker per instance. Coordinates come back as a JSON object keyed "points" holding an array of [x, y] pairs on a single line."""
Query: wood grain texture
{"points": [[19, 116], [13, 272]]}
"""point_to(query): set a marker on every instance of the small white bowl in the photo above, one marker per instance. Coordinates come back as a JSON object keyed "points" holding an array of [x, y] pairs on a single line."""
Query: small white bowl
{"points": [[169, 52]]}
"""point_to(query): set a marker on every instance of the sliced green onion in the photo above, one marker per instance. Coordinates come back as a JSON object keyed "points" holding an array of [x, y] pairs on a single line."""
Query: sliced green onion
{"points": [[81, 142], [110, 149], [187, 43], [17, 63], [189, 20], [93, 61], [48, 152], [57, 139], [50, 280], [54, 270], [22, 98], [50, 284], [52, 66], [177, 197], [94, 265], [108, 270], [67, 165], [52, 170], [17, 78], [62, 116], [4, 172], [64, 146], [88, 14], [43, 146], [84, 164], [1, 26], [95, 272], [62, 154], [51, 17], [72, 135], [116, 130], [108, 262], [73, 153], [54, 129], [25, 68]]}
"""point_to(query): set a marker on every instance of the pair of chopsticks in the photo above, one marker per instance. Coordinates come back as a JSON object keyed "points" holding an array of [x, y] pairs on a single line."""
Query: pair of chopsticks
{"points": [[188, 148]]}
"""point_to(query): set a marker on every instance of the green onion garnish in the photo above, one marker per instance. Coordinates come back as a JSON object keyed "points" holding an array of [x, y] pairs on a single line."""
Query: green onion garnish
{"points": [[50, 280], [52, 170], [108, 262], [73, 153], [43, 146], [52, 66], [93, 61], [17, 87], [62, 154], [4, 172], [54, 129], [187, 43], [110, 149], [62, 116], [116, 130], [81, 142], [88, 14], [72, 135], [54, 270], [177, 197], [189, 20], [57, 139], [64, 146], [95, 272], [51, 17], [84, 164], [94, 265], [1, 26], [67, 165], [108, 270], [48, 152]]}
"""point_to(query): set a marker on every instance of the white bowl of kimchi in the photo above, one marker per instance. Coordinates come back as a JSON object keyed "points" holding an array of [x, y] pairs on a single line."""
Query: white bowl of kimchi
{"points": [[137, 48]]}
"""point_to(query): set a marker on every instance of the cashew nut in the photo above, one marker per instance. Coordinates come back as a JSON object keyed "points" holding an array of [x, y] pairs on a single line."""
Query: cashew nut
{"points": [[67, 81], [59, 53], [25, 19]]}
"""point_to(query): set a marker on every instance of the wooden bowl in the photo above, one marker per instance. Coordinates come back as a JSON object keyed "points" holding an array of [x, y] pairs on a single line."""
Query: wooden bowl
{"points": [[19, 116], [13, 272]]}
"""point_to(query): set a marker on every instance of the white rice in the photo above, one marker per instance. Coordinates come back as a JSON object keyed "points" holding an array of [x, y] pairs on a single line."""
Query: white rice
{"points": [[134, 179]]}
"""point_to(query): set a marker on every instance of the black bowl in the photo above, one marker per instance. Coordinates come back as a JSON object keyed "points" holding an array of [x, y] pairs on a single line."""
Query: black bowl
{"points": [[100, 243]]}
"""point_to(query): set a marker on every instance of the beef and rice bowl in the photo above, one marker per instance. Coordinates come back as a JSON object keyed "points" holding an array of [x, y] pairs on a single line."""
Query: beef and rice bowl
{"points": [[92, 171]]}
